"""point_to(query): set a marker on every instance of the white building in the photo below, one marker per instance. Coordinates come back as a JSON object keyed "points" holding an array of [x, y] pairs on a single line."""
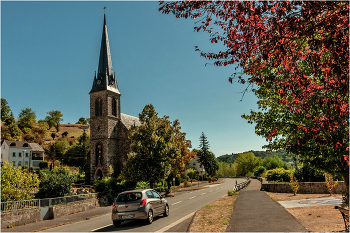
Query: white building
{"points": [[195, 164], [22, 153]]}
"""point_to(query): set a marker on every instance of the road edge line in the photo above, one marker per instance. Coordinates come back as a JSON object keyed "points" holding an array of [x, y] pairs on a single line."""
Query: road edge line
{"points": [[175, 223]]}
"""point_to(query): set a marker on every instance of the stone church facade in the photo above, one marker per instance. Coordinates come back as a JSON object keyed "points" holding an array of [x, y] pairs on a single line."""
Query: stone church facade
{"points": [[109, 128]]}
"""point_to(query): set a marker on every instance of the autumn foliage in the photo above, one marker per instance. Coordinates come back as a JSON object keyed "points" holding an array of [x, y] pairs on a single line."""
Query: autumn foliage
{"points": [[306, 44]]}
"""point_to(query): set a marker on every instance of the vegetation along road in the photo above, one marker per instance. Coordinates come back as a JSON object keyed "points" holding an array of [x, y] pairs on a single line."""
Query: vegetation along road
{"points": [[181, 207]]}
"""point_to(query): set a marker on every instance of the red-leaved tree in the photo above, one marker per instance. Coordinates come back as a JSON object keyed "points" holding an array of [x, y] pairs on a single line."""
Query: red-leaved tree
{"points": [[282, 35]]}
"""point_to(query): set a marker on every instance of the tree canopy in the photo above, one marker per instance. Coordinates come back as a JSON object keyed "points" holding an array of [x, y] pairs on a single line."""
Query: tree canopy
{"points": [[284, 35], [206, 158], [54, 119]]}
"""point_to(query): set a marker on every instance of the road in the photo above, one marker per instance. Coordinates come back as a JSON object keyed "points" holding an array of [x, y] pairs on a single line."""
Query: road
{"points": [[181, 208]]}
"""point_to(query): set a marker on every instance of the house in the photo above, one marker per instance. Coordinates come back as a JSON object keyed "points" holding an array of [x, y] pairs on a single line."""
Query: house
{"points": [[21, 153], [195, 164]]}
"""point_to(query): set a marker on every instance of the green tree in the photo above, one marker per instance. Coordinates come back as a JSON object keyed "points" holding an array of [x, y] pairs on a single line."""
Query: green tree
{"points": [[54, 119], [191, 173], [246, 162], [27, 120], [16, 184], [82, 121], [153, 148], [55, 183], [206, 158], [226, 169], [61, 147], [6, 112]]}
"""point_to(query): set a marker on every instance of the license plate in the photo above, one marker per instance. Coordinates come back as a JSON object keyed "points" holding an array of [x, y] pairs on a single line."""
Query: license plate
{"points": [[127, 216]]}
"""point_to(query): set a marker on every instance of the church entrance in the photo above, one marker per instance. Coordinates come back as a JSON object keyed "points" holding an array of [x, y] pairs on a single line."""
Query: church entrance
{"points": [[99, 175]]}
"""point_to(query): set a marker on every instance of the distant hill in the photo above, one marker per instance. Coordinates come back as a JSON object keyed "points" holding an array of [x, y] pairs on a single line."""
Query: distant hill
{"points": [[230, 158]]}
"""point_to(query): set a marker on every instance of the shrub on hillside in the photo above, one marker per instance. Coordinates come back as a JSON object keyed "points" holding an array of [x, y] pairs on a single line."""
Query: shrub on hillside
{"points": [[278, 174]]}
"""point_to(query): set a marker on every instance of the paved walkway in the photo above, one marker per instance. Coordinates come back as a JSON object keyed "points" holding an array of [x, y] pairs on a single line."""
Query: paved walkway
{"points": [[254, 211], [312, 202]]}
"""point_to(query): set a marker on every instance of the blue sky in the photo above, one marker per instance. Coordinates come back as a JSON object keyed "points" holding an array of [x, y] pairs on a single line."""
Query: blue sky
{"points": [[50, 51]]}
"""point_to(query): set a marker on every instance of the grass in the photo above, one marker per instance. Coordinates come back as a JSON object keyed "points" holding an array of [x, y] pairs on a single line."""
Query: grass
{"points": [[214, 217]]}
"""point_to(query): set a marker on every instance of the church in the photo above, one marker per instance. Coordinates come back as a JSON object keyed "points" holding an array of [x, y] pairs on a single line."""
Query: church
{"points": [[109, 128]]}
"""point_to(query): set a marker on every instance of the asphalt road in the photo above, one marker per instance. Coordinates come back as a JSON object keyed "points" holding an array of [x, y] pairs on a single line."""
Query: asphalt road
{"points": [[181, 208]]}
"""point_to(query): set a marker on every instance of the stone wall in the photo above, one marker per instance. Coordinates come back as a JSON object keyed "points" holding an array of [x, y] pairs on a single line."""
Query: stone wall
{"points": [[64, 210], [304, 187], [20, 217]]}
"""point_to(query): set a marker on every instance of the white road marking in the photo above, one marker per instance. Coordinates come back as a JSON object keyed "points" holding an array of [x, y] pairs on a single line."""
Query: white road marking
{"points": [[192, 197], [101, 227], [175, 223], [202, 193], [176, 203]]}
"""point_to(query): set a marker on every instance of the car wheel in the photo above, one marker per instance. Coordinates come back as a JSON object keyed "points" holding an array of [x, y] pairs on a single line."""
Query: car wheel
{"points": [[117, 223], [166, 212], [149, 217]]}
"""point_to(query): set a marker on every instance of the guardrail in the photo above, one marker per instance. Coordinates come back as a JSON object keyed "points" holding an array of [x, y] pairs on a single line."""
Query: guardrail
{"points": [[239, 186], [37, 203]]}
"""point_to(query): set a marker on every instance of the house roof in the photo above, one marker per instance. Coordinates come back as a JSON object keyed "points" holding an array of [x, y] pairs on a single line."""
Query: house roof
{"points": [[129, 121], [24, 145], [36, 147]]}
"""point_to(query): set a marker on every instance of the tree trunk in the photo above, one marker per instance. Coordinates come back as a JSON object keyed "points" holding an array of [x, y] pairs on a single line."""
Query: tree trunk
{"points": [[346, 180]]}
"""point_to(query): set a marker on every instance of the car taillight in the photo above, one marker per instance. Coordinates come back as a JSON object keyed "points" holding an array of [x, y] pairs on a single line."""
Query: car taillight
{"points": [[114, 206], [143, 203]]}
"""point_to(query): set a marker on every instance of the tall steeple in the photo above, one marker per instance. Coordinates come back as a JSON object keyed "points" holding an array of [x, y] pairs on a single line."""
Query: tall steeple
{"points": [[105, 79]]}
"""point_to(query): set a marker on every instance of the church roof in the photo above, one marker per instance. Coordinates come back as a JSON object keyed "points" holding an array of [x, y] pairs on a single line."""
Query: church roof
{"points": [[129, 121], [105, 79]]}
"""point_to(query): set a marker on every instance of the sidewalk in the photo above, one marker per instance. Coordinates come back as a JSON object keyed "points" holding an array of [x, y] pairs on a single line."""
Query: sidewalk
{"points": [[254, 211], [85, 215]]}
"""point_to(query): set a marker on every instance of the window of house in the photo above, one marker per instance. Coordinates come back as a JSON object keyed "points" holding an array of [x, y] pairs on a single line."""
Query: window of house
{"points": [[19, 163], [26, 163], [27, 155], [19, 154], [194, 164], [14, 154], [14, 163]]}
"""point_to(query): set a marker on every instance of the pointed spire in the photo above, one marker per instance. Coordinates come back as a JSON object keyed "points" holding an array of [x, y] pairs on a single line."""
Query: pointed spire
{"points": [[105, 79]]}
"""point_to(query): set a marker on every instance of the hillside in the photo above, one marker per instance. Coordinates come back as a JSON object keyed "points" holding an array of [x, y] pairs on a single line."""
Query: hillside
{"points": [[73, 130], [230, 158]]}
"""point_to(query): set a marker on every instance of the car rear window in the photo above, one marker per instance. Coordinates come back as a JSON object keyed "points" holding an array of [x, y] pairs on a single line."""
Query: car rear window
{"points": [[132, 196]]}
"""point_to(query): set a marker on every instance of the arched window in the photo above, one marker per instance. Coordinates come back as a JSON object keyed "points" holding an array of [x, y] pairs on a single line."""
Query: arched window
{"points": [[99, 150], [114, 107], [98, 107]]}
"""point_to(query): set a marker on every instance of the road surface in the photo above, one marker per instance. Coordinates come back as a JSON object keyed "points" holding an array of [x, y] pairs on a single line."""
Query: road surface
{"points": [[181, 208]]}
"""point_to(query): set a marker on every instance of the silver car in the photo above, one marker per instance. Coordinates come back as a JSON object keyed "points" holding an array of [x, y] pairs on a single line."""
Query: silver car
{"points": [[139, 204]]}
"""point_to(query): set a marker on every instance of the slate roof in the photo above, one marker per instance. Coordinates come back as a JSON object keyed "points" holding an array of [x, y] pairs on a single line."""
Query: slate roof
{"points": [[129, 121], [108, 81], [36, 147], [21, 144]]}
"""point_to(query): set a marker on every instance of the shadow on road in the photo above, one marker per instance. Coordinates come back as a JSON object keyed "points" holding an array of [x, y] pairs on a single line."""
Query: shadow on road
{"points": [[126, 225]]}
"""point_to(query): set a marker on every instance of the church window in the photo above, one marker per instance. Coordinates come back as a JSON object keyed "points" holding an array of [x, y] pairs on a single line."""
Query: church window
{"points": [[98, 107], [99, 150], [114, 107]]}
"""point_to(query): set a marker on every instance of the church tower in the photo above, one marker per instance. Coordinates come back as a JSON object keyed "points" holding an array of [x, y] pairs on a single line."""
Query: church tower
{"points": [[104, 114]]}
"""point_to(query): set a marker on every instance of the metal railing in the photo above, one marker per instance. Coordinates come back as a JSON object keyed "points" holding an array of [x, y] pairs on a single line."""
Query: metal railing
{"points": [[19, 205], [239, 186], [37, 203]]}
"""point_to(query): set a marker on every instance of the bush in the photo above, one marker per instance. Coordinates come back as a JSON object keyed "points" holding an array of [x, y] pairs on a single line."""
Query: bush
{"points": [[278, 174], [43, 165], [178, 180], [259, 170], [230, 192]]}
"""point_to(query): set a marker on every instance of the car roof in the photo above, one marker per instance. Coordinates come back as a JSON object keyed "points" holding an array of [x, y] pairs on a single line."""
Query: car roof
{"points": [[136, 190]]}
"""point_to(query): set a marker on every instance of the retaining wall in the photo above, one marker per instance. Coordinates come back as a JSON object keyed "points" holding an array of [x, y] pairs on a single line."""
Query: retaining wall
{"points": [[64, 210], [304, 187], [20, 217]]}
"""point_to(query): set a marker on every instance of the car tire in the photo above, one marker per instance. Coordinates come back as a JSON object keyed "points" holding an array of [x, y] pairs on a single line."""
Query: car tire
{"points": [[149, 219], [117, 223], [166, 211]]}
